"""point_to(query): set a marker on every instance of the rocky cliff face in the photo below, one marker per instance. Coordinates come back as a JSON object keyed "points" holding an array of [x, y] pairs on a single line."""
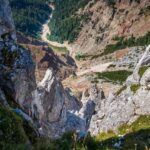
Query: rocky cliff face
{"points": [[44, 57], [16, 65], [126, 106], [51, 108], [107, 20]]}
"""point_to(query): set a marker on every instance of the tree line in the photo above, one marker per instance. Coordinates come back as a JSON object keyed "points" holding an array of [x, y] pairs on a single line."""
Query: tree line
{"points": [[29, 15]]}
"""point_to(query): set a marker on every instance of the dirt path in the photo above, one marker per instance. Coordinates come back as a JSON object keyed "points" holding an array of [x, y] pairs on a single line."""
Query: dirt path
{"points": [[46, 31], [97, 68]]}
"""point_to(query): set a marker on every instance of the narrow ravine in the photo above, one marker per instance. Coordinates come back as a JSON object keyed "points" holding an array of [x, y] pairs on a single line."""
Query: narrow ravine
{"points": [[46, 30]]}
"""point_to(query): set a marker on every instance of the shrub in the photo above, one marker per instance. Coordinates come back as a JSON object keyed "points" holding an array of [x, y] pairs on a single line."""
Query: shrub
{"points": [[142, 70], [114, 76], [124, 43], [29, 15], [134, 87], [80, 56], [9, 57], [11, 127]]}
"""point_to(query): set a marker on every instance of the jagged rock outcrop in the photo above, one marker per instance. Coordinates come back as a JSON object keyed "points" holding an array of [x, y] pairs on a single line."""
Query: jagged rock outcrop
{"points": [[16, 66], [47, 105], [134, 101], [44, 57], [58, 111]]}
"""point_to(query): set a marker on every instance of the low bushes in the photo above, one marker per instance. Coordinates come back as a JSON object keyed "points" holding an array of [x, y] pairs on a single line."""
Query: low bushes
{"points": [[114, 76], [134, 87], [124, 43]]}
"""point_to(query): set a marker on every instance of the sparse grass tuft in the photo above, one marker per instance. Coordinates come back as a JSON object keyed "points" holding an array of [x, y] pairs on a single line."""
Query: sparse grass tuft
{"points": [[80, 56], [121, 90], [56, 49], [105, 135], [134, 87]]}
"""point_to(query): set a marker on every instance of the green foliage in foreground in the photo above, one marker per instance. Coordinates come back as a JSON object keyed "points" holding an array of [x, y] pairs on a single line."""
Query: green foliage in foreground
{"points": [[136, 136], [11, 128], [124, 43], [29, 15], [114, 76]]}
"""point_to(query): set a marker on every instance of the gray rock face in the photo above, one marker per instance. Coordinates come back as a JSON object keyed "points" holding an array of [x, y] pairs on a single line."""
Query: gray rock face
{"points": [[131, 59], [52, 108], [17, 79], [125, 108], [58, 111], [145, 60]]}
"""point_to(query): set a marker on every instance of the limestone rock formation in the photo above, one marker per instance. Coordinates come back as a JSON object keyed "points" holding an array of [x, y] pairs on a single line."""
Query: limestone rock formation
{"points": [[58, 111], [115, 111], [52, 108], [16, 66]]}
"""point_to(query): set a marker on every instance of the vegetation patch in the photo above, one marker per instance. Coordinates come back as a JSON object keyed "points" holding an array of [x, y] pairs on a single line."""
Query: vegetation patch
{"points": [[11, 128], [9, 57], [112, 66], [80, 56], [142, 70], [124, 43], [114, 76], [105, 135], [143, 122], [56, 49], [134, 87], [145, 11], [135, 136], [30, 15], [66, 24], [121, 90]]}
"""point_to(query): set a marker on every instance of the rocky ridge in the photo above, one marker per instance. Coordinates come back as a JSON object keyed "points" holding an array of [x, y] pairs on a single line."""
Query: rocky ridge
{"points": [[126, 106]]}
